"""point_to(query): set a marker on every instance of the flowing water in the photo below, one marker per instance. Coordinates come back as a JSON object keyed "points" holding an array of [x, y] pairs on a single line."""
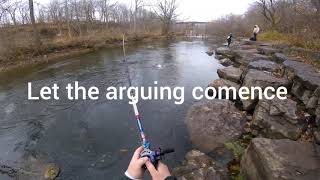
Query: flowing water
{"points": [[95, 139]]}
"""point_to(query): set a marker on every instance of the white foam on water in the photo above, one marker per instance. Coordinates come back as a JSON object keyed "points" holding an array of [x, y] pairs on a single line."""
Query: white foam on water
{"points": [[159, 66], [9, 108]]}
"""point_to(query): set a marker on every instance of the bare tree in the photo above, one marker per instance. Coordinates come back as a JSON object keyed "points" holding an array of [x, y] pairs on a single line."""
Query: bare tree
{"points": [[269, 11], [23, 11], [36, 35], [167, 12], [137, 5], [67, 17]]}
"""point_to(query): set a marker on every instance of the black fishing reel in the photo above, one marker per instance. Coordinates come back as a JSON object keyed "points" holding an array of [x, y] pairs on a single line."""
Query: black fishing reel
{"points": [[155, 156]]}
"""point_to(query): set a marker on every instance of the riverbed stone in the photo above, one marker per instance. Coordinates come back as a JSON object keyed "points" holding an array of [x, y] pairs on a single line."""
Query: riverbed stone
{"points": [[226, 62], [316, 135], [304, 73], [279, 57], [264, 65], [223, 83], [52, 171], [268, 50], [306, 83], [277, 118], [213, 123], [255, 78], [247, 47], [244, 53], [248, 42], [230, 73], [198, 166], [210, 53], [219, 57], [244, 57], [284, 159], [317, 113], [225, 51]]}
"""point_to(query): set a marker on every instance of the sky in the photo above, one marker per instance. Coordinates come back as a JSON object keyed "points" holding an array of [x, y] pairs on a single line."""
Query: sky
{"points": [[206, 10], [201, 10]]}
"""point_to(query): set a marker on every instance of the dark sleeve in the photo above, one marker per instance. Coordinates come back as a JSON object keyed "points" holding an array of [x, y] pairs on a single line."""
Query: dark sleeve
{"points": [[171, 178]]}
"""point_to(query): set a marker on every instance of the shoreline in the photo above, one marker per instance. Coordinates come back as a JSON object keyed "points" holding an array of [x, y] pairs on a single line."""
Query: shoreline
{"points": [[74, 52]]}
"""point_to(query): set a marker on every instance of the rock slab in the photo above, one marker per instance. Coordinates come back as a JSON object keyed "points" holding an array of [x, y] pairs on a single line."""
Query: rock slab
{"points": [[224, 83], [264, 65], [198, 166], [230, 73], [255, 78], [277, 118], [213, 123], [284, 159]]}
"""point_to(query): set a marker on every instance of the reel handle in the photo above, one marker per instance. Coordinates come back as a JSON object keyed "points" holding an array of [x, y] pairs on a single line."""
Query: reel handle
{"points": [[166, 151], [155, 156]]}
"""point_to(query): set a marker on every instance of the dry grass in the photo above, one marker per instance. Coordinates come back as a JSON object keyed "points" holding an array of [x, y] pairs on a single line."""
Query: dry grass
{"points": [[302, 41], [16, 43], [310, 46]]}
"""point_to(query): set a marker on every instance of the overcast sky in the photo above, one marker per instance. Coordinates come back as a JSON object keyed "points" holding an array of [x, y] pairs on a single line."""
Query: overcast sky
{"points": [[201, 10], [206, 10]]}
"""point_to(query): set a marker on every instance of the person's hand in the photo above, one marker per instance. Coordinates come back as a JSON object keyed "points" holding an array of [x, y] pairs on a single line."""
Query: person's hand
{"points": [[161, 173], [135, 169]]}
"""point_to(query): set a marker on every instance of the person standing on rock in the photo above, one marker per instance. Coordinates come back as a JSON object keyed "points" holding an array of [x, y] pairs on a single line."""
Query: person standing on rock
{"points": [[256, 31], [229, 39]]}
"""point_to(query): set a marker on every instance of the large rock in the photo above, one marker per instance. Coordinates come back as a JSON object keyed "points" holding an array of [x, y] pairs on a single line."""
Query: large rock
{"points": [[304, 73], [219, 57], [224, 83], [198, 166], [268, 50], [226, 62], [230, 73], [255, 78], [279, 57], [211, 124], [244, 57], [225, 51], [306, 84], [277, 118], [245, 53], [267, 159], [264, 65], [317, 113], [248, 42]]}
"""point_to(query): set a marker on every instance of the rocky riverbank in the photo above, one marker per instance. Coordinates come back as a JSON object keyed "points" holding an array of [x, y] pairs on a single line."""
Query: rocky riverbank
{"points": [[267, 139]]}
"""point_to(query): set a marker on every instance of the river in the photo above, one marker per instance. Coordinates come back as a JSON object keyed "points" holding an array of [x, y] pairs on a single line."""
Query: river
{"points": [[95, 139]]}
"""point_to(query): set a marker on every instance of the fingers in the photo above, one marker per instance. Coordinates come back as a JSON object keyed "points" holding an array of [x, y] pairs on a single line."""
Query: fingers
{"points": [[142, 161], [151, 168], [162, 166], [136, 154]]}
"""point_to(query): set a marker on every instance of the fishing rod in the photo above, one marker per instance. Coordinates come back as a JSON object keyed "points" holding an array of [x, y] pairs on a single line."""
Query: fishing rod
{"points": [[153, 155]]}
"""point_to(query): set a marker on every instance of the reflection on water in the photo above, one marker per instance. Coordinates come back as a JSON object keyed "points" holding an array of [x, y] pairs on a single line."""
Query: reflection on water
{"points": [[95, 139]]}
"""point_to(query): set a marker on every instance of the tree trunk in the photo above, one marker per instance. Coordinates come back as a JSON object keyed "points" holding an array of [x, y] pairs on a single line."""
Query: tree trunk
{"points": [[36, 36], [67, 18]]}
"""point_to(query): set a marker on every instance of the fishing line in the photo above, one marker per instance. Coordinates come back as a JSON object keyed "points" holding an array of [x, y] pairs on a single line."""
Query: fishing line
{"points": [[153, 155], [145, 143]]}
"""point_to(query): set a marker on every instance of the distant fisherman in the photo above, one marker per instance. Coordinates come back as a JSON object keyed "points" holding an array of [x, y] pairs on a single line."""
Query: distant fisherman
{"points": [[256, 31], [229, 39]]}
